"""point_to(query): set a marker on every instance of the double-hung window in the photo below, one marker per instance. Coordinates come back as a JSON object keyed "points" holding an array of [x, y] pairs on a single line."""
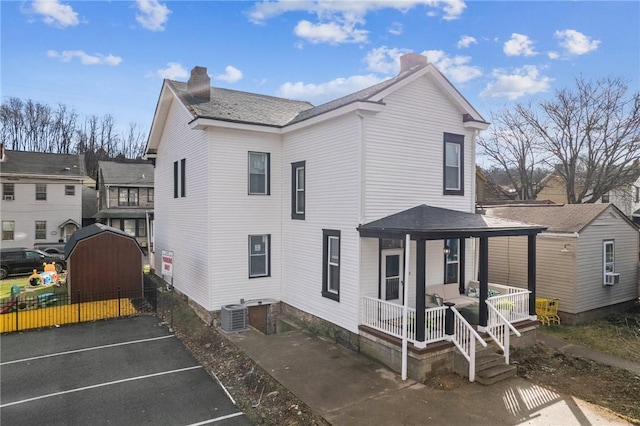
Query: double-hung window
{"points": [[8, 230], [608, 258], [453, 164], [298, 190], [259, 171], [8, 192], [41, 229], [451, 261], [259, 254], [605, 197], [41, 191], [128, 197], [69, 190], [331, 264]]}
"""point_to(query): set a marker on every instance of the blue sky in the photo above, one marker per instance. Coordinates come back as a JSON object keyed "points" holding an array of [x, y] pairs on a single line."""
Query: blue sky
{"points": [[104, 57]]}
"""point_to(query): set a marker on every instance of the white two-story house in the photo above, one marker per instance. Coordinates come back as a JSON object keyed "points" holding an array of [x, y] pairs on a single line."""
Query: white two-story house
{"points": [[41, 196], [266, 200]]}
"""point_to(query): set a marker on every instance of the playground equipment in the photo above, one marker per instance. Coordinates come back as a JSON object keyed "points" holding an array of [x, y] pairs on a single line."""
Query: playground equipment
{"points": [[13, 301]]}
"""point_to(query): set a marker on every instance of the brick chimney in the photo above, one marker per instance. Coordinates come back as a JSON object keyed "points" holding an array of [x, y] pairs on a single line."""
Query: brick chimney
{"points": [[199, 84], [410, 60]]}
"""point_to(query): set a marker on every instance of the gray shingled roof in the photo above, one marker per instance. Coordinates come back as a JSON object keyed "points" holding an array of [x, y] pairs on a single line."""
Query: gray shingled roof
{"points": [[556, 217], [436, 223], [43, 163], [243, 107], [126, 174], [90, 231]]}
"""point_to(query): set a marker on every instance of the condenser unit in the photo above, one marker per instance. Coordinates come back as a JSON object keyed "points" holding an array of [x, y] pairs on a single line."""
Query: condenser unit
{"points": [[233, 318]]}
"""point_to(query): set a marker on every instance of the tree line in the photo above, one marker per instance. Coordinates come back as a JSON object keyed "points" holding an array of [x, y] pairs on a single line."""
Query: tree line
{"points": [[27, 125], [587, 135]]}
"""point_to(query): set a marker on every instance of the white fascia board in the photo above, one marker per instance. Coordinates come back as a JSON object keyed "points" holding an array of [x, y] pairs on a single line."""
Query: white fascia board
{"points": [[167, 96], [477, 125], [363, 108], [559, 234], [50, 177]]}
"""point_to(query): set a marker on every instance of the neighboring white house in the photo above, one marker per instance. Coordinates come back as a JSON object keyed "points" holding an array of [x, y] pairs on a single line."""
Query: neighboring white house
{"points": [[262, 199], [626, 199], [41, 196]]}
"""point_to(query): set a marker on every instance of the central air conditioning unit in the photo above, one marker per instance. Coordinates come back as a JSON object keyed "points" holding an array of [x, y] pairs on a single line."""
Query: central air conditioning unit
{"points": [[234, 318], [611, 278]]}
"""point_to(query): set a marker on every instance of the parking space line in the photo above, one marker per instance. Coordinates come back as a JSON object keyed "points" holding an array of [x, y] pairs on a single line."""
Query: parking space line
{"points": [[217, 419], [86, 349], [99, 386]]}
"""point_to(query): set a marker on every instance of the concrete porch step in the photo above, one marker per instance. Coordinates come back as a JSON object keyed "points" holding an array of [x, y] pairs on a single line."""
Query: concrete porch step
{"points": [[495, 374], [486, 360]]}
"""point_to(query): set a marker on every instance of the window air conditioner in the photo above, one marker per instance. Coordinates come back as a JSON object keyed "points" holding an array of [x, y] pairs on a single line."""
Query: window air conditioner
{"points": [[7, 197], [233, 318], [611, 278]]}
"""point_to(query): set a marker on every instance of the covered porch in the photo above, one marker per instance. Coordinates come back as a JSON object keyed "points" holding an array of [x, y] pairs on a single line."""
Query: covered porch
{"points": [[459, 242]]}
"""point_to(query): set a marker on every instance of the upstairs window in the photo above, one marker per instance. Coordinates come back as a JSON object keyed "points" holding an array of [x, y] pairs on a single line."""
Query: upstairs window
{"points": [[128, 197], [41, 191], [453, 164], [298, 190], [179, 178], [8, 192], [150, 195], [69, 190], [259, 171], [605, 197]]}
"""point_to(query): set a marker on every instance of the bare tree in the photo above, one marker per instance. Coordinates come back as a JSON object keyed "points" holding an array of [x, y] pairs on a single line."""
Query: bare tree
{"points": [[593, 135], [133, 142], [511, 147]]}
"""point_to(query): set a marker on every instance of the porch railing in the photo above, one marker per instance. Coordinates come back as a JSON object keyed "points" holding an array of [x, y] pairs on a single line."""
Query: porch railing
{"points": [[464, 338], [513, 306], [387, 317], [499, 329]]}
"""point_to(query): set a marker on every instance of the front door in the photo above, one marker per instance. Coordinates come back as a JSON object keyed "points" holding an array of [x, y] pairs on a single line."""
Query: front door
{"points": [[392, 275]]}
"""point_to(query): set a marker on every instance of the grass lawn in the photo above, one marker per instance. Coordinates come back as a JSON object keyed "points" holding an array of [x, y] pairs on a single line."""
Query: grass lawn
{"points": [[23, 281], [618, 334]]}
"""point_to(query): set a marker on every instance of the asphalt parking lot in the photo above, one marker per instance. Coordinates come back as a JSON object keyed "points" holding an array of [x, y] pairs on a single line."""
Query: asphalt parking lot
{"points": [[120, 372]]}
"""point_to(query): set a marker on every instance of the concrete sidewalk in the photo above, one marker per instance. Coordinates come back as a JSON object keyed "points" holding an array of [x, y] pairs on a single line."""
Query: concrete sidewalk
{"points": [[588, 353], [348, 389]]}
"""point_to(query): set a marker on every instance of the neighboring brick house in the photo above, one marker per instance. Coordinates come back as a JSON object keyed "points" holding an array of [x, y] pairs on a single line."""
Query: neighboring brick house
{"points": [[125, 197], [41, 196]]}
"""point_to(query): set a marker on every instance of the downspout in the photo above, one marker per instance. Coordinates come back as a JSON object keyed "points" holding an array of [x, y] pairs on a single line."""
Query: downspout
{"points": [[361, 167], [475, 258]]}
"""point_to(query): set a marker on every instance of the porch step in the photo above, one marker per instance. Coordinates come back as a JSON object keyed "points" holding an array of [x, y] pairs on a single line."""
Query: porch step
{"points": [[485, 360], [495, 374]]}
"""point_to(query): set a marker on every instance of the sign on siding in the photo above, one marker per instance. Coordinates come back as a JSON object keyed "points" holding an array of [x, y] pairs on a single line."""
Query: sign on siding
{"points": [[167, 263]]}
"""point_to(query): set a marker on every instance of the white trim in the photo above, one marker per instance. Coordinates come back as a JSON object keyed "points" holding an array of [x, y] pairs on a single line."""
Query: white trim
{"points": [[330, 263], [298, 189]]}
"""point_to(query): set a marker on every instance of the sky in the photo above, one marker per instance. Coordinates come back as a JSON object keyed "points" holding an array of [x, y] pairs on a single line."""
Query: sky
{"points": [[110, 57]]}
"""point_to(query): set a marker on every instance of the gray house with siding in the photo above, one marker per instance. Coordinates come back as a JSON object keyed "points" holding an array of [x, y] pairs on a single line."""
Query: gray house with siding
{"points": [[587, 258]]}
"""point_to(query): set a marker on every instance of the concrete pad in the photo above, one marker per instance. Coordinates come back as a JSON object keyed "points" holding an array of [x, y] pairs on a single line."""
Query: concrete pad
{"points": [[348, 389]]}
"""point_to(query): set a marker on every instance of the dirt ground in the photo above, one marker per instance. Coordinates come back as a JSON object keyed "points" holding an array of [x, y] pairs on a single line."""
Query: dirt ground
{"points": [[265, 401]]}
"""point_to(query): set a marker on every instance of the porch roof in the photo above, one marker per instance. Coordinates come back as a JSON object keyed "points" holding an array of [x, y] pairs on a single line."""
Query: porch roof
{"points": [[435, 223]]}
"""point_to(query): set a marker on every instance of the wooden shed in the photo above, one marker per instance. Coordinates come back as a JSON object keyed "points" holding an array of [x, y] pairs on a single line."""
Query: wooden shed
{"points": [[587, 258], [102, 260]]}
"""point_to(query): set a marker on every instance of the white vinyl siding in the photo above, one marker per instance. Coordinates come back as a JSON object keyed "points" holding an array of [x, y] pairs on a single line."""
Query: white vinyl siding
{"points": [[408, 136], [330, 152]]}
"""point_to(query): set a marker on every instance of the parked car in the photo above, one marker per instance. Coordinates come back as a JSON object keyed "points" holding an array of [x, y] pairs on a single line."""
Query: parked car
{"points": [[51, 248], [22, 261]]}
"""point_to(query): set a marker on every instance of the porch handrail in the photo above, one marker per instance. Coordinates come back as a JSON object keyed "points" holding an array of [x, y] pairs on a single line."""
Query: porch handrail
{"points": [[514, 306], [386, 317], [464, 338], [498, 328]]}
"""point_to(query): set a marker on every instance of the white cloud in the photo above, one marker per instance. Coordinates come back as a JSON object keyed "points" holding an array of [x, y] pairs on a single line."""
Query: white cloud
{"points": [[153, 16], [85, 58], [519, 45], [231, 75], [173, 71], [323, 92], [466, 41], [553, 55], [522, 81], [456, 68], [343, 21], [396, 29], [332, 32], [384, 60], [576, 43], [55, 13]]}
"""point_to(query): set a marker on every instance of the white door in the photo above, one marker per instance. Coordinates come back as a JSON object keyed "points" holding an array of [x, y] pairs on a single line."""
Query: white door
{"points": [[392, 275]]}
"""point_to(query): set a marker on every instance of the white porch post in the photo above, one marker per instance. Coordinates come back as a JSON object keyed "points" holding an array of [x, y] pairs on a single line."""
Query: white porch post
{"points": [[405, 305]]}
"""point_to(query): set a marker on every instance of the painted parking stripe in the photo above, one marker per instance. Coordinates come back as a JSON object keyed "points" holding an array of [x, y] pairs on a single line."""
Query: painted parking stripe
{"points": [[99, 386], [93, 348], [217, 419]]}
